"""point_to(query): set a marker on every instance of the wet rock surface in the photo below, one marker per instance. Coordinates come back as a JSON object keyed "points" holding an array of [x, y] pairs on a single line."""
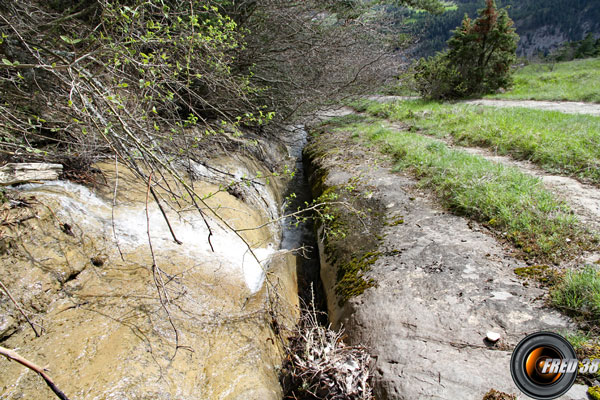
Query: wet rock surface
{"points": [[116, 327], [443, 283]]}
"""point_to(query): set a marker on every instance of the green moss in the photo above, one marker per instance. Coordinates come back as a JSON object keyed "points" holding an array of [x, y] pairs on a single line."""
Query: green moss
{"points": [[350, 223], [541, 273], [395, 221], [594, 392], [585, 345], [351, 279]]}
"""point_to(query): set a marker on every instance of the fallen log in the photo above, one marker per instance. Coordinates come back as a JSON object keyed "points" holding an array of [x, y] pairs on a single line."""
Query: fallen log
{"points": [[13, 173]]}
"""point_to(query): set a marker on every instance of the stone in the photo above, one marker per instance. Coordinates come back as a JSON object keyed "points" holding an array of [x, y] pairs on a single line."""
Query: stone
{"points": [[423, 319], [492, 336], [13, 173]]}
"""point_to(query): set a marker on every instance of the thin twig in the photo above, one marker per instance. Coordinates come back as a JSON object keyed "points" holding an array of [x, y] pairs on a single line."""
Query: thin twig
{"points": [[114, 204], [296, 213], [12, 355], [157, 275], [165, 216], [37, 334]]}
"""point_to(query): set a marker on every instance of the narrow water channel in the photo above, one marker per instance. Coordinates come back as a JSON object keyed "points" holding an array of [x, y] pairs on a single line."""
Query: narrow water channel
{"points": [[301, 235]]}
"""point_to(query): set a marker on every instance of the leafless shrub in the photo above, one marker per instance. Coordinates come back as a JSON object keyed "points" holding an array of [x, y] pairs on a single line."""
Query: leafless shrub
{"points": [[319, 52]]}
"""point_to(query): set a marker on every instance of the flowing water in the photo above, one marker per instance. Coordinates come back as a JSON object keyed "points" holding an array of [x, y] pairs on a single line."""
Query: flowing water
{"points": [[301, 235]]}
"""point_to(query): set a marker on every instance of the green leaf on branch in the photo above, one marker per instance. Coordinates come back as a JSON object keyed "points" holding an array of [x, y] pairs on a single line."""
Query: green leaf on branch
{"points": [[69, 40]]}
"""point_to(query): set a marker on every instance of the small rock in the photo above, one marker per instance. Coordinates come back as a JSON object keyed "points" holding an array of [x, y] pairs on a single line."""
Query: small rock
{"points": [[492, 336]]}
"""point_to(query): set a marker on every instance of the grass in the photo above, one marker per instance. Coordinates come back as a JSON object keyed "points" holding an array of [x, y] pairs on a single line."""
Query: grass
{"points": [[577, 80], [514, 204], [559, 143], [448, 6], [578, 293]]}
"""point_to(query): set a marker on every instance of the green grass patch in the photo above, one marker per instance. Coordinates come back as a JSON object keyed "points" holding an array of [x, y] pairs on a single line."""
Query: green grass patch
{"points": [[578, 293], [577, 80], [559, 143], [515, 204]]}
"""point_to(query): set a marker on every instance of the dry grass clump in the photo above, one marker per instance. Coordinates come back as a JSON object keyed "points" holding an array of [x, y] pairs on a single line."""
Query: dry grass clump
{"points": [[494, 394], [320, 365]]}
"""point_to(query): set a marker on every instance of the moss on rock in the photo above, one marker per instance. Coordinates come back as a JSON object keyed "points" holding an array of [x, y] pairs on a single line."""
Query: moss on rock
{"points": [[541, 273], [351, 224], [594, 392]]}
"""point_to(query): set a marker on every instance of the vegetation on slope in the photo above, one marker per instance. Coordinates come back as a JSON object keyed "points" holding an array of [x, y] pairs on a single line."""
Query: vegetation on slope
{"points": [[478, 61], [571, 19], [167, 78], [588, 47], [560, 143], [577, 80], [512, 203]]}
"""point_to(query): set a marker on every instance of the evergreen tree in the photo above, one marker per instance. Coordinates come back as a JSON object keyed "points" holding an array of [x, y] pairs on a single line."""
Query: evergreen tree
{"points": [[483, 50], [587, 47], [478, 59]]}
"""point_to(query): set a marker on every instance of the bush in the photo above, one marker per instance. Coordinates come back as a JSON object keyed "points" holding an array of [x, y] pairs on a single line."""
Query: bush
{"points": [[478, 59], [436, 78]]}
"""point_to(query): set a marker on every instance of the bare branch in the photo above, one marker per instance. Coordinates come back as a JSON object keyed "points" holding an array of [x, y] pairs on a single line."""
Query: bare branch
{"points": [[12, 355], [5, 289]]}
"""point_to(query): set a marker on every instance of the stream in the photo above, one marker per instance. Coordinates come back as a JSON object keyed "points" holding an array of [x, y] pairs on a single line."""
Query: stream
{"points": [[301, 235]]}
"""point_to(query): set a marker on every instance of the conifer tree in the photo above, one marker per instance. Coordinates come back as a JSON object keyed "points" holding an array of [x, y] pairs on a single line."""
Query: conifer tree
{"points": [[478, 60], [483, 50]]}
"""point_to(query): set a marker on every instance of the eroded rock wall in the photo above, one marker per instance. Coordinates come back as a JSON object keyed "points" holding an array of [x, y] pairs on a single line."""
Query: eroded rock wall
{"points": [[194, 322]]}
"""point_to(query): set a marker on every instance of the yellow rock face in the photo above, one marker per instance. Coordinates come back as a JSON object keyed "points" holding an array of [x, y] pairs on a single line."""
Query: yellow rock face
{"points": [[190, 323]]}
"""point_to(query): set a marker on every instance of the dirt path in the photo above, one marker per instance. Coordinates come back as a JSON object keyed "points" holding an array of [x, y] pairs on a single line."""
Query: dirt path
{"points": [[568, 107], [583, 199]]}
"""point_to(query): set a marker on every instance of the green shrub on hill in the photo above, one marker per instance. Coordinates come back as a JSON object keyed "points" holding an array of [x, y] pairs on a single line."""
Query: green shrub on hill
{"points": [[478, 60]]}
